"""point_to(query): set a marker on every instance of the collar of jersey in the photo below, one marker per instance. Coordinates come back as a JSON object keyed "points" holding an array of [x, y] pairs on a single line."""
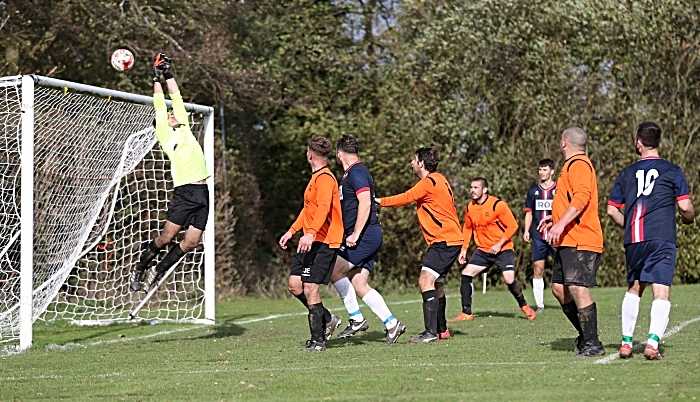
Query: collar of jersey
{"points": [[350, 167], [319, 169]]}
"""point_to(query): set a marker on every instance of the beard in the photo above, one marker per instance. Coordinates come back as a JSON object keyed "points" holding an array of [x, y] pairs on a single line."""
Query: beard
{"points": [[637, 151]]}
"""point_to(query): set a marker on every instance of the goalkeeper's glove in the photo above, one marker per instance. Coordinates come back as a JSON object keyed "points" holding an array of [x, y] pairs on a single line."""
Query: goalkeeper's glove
{"points": [[161, 64]]}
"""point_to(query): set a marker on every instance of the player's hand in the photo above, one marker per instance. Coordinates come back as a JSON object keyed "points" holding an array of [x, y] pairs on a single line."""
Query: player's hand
{"points": [[161, 64], [305, 243], [546, 222], [284, 239], [495, 249], [351, 241], [463, 257], [555, 233], [377, 200], [526, 236]]}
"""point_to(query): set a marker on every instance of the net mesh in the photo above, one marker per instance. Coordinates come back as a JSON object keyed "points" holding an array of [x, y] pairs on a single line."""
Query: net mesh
{"points": [[101, 188]]}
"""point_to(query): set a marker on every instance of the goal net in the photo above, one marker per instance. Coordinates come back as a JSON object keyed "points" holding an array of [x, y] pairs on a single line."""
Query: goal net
{"points": [[100, 191]]}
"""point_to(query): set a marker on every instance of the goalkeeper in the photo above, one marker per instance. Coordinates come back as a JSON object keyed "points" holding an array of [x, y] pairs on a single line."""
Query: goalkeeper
{"points": [[189, 206]]}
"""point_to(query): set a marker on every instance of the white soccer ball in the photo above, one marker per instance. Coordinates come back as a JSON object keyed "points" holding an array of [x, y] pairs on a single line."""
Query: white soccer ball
{"points": [[122, 60]]}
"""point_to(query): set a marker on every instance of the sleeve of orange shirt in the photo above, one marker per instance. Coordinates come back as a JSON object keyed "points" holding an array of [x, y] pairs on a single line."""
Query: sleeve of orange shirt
{"points": [[324, 197], [299, 223], [580, 177], [418, 191], [506, 216], [467, 230]]}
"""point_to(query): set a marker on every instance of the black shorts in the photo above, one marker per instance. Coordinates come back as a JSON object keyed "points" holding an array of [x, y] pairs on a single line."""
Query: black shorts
{"points": [[316, 265], [575, 267], [189, 206], [504, 260], [440, 258]]}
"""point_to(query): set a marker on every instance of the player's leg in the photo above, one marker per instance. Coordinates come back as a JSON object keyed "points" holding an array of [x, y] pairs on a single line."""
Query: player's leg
{"points": [[151, 251], [443, 331], [376, 303], [562, 294], [540, 250], [348, 295], [191, 240], [580, 268], [319, 273], [634, 255], [659, 271], [478, 262], [426, 283], [505, 260]]}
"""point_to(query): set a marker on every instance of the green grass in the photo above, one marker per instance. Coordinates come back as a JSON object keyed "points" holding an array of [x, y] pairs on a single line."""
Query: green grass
{"points": [[499, 356]]}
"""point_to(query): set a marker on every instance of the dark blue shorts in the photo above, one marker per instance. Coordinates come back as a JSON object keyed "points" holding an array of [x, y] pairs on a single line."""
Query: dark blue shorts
{"points": [[365, 251], [651, 261], [541, 249]]}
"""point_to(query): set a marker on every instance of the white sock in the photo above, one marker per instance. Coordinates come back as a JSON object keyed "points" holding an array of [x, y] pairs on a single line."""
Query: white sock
{"points": [[376, 303], [660, 310], [630, 311], [349, 298], [538, 290]]}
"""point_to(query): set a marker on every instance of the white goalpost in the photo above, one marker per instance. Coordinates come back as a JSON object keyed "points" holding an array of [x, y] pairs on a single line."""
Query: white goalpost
{"points": [[84, 187]]}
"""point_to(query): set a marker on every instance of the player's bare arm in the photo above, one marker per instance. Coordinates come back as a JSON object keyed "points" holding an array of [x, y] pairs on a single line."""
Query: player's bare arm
{"points": [[687, 212], [528, 223], [616, 215], [364, 208]]}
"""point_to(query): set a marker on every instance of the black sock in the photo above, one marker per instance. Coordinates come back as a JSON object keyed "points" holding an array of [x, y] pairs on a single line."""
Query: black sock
{"points": [[150, 252], [465, 288], [571, 312], [430, 309], [441, 319], [302, 298], [588, 317], [517, 292], [171, 259], [326, 316], [316, 322]]}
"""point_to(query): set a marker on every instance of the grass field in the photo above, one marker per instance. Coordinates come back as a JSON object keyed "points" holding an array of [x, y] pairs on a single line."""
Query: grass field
{"points": [[253, 354]]}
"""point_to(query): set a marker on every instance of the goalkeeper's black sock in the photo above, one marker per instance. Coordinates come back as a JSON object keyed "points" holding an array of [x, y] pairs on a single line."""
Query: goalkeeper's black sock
{"points": [[171, 259], [571, 312], [588, 317], [441, 319], [150, 252], [430, 309], [316, 322], [517, 292], [465, 289]]}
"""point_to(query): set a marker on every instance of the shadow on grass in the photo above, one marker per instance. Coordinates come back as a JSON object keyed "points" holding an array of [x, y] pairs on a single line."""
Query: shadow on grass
{"points": [[363, 338], [567, 344], [223, 329], [492, 314]]}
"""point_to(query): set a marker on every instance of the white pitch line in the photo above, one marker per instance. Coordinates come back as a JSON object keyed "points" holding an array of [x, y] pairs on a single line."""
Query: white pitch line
{"points": [[640, 346]]}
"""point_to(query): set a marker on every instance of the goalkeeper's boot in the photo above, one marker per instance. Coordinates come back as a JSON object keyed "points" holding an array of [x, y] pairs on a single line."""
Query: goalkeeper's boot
{"points": [[651, 353], [154, 276], [314, 346], [331, 327], [393, 334], [353, 328], [626, 351], [136, 278], [424, 337], [462, 316]]}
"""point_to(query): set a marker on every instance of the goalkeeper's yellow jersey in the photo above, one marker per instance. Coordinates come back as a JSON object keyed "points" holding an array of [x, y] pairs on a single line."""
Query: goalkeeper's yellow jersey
{"points": [[186, 156]]}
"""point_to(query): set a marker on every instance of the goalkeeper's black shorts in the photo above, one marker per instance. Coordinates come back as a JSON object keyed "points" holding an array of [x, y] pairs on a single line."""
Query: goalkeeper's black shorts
{"points": [[189, 206]]}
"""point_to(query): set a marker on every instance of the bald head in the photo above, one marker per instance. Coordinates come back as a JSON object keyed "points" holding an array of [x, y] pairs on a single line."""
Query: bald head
{"points": [[576, 137]]}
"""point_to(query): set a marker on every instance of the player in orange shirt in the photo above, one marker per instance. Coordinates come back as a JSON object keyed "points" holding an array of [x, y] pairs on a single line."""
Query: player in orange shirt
{"points": [[440, 225], [316, 253], [492, 223], [578, 237]]}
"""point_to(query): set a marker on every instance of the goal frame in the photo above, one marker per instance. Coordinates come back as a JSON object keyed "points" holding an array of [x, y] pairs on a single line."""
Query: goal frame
{"points": [[29, 82]]}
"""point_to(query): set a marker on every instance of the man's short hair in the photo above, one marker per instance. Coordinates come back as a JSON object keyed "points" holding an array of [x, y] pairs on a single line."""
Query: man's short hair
{"points": [[320, 146], [577, 137], [547, 162], [649, 134], [348, 144], [430, 157], [483, 181]]}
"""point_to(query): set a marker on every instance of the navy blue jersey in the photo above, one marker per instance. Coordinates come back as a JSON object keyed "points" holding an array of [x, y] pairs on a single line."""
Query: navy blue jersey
{"points": [[356, 180], [648, 190], [539, 202]]}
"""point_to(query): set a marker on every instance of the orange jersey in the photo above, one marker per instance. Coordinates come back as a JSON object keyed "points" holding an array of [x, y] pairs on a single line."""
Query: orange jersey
{"points": [[577, 187], [435, 206], [489, 222], [321, 214]]}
